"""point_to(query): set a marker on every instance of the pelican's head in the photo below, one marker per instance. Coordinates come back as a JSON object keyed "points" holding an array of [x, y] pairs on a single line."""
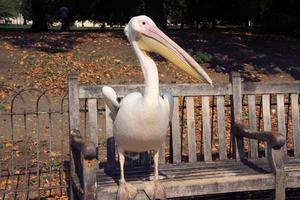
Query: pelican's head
{"points": [[149, 38]]}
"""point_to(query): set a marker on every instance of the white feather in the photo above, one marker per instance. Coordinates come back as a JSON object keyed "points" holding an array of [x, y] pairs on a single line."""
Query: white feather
{"points": [[110, 98]]}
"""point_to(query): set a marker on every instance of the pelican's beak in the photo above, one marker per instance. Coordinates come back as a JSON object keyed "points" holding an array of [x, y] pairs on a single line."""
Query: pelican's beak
{"points": [[154, 40]]}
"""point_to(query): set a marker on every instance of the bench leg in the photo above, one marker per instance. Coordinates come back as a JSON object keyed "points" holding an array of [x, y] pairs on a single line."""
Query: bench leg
{"points": [[280, 186]]}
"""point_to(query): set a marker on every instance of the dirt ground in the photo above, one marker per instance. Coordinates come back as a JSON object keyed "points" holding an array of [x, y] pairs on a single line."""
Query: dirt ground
{"points": [[43, 60]]}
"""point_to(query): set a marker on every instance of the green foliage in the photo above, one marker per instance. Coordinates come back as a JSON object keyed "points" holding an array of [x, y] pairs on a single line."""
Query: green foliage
{"points": [[9, 8], [203, 57]]}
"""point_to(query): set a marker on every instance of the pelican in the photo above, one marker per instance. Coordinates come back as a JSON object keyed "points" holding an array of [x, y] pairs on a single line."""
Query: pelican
{"points": [[140, 121]]}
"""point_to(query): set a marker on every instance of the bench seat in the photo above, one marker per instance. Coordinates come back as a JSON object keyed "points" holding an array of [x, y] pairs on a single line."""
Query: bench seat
{"points": [[201, 178]]}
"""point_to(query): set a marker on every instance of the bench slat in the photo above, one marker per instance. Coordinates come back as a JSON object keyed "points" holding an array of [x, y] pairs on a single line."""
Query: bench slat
{"points": [[271, 87], [145, 159], [221, 127], [206, 130], [73, 103], [281, 118], [191, 129], [174, 89], [237, 112], [252, 122], [295, 121], [266, 116], [176, 136], [92, 108], [181, 174], [110, 142], [162, 154]]}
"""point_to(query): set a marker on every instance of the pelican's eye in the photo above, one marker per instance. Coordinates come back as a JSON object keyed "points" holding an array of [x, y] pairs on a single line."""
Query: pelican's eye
{"points": [[144, 23]]}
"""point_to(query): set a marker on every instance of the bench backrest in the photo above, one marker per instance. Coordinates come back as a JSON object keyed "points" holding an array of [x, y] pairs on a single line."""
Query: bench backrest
{"points": [[202, 117]]}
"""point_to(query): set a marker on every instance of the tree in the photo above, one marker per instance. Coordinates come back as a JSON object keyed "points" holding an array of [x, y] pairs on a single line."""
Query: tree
{"points": [[282, 16], [155, 9], [9, 8], [176, 11], [39, 20], [26, 10]]}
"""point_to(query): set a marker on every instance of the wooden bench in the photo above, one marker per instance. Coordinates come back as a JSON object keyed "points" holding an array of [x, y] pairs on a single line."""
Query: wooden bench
{"points": [[207, 150]]}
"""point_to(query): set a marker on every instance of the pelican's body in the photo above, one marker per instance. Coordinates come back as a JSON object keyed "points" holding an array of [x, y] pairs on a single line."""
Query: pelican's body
{"points": [[146, 123], [141, 120]]}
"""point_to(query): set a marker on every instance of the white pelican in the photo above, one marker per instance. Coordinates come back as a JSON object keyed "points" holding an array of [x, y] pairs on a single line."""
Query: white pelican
{"points": [[141, 120]]}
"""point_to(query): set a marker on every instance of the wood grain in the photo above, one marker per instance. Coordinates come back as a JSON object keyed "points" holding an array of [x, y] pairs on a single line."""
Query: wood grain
{"points": [[206, 129]]}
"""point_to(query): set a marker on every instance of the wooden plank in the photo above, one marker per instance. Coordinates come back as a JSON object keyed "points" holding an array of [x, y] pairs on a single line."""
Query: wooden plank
{"points": [[183, 169], [194, 187], [221, 127], [73, 102], [92, 108], [216, 166], [73, 117], [271, 88], [266, 112], [162, 154], [191, 129], [176, 135], [266, 117], [281, 119], [204, 166], [110, 141], [295, 122], [89, 180], [197, 89], [237, 112], [219, 185], [206, 128], [183, 173], [174, 89], [145, 159], [105, 180], [253, 154]]}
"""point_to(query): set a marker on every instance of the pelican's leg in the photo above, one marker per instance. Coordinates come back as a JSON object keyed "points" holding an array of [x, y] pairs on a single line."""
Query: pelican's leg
{"points": [[154, 189], [126, 191]]}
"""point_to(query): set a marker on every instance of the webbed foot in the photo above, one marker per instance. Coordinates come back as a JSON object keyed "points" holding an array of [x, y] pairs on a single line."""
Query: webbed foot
{"points": [[155, 190], [126, 191]]}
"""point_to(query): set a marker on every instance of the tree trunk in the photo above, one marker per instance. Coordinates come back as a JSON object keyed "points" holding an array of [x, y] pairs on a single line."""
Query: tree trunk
{"points": [[155, 10], [39, 21], [182, 19], [213, 23]]}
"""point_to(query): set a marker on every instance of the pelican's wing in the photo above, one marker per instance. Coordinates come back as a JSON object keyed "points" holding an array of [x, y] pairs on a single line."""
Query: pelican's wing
{"points": [[110, 98], [169, 101]]}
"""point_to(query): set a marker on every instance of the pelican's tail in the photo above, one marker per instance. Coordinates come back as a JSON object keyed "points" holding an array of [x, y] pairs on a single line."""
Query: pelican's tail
{"points": [[132, 155], [110, 98]]}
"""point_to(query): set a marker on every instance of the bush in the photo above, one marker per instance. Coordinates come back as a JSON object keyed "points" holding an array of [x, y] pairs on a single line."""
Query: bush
{"points": [[203, 57]]}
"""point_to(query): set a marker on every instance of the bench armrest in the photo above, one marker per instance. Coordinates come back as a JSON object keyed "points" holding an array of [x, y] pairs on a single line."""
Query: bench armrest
{"points": [[87, 148], [84, 161], [275, 142], [274, 139]]}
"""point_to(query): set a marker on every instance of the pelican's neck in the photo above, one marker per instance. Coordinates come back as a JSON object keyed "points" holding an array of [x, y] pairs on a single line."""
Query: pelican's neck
{"points": [[150, 75]]}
